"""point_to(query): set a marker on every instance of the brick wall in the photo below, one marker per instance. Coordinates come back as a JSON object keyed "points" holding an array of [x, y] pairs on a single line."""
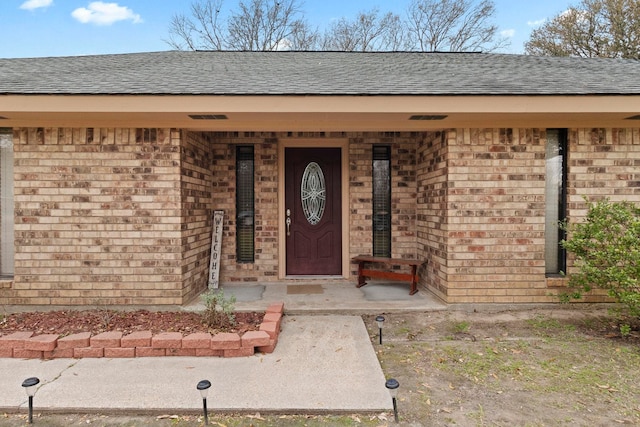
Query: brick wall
{"points": [[123, 216], [432, 219], [495, 204], [98, 217], [360, 194], [196, 185], [603, 163], [403, 193]]}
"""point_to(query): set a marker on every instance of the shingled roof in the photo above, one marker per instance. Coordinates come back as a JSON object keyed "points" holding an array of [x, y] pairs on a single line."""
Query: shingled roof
{"points": [[318, 73]]}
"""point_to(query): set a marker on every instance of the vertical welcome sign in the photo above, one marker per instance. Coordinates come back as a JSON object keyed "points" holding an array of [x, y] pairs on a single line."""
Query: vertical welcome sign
{"points": [[216, 249]]}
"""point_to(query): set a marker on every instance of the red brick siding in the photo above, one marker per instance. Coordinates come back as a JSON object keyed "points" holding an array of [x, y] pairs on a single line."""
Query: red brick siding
{"points": [[432, 220], [97, 217], [495, 235], [196, 186], [123, 216]]}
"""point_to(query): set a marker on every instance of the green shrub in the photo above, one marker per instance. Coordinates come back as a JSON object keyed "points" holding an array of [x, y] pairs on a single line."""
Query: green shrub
{"points": [[607, 250], [218, 310]]}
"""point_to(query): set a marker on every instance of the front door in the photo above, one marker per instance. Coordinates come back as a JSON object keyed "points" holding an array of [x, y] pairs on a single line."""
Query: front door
{"points": [[313, 211]]}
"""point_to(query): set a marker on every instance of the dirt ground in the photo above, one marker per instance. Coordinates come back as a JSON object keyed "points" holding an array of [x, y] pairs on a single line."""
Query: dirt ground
{"points": [[562, 367], [559, 367]]}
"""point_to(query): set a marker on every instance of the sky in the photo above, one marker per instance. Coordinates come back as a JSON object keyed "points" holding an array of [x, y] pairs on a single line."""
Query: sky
{"points": [[36, 28]]}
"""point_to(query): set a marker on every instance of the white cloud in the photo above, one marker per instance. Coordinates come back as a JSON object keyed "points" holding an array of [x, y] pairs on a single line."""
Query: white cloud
{"points": [[508, 33], [101, 13], [536, 23], [577, 14], [36, 4], [283, 45]]}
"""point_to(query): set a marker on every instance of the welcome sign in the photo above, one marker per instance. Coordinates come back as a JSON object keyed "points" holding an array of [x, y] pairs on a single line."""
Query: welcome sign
{"points": [[216, 249]]}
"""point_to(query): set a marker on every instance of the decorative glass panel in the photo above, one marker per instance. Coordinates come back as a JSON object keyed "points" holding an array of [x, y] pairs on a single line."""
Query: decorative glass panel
{"points": [[313, 193]]}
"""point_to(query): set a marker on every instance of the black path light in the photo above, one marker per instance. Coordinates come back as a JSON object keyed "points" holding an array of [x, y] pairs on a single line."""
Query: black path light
{"points": [[392, 385], [203, 387], [30, 387], [380, 322]]}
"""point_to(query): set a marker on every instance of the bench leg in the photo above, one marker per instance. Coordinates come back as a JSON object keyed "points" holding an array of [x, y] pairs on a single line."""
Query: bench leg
{"points": [[361, 278], [414, 280]]}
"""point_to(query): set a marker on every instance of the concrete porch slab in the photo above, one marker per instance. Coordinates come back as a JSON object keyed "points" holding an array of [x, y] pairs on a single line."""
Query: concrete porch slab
{"points": [[338, 297]]}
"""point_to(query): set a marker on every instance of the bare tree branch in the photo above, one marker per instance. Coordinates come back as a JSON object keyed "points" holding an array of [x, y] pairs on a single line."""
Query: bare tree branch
{"points": [[396, 37], [269, 25], [202, 31], [452, 25], [303, 37], [262, 25], [369, 31], [180, 33], [254, 25]]}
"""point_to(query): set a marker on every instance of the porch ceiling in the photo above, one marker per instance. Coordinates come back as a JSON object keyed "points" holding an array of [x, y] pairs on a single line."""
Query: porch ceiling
{"points": [[318, 113]]}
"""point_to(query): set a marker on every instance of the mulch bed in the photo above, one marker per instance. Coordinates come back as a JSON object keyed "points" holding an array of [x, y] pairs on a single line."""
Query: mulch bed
{"points": [[67, 322]]}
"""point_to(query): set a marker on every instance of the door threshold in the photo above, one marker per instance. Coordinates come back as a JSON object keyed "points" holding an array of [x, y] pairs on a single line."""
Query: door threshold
{"points": [[314, 277]]}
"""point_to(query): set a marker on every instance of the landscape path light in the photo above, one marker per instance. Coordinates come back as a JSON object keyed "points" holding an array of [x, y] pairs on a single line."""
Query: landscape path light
{"points": [[30, 388], [203, 386], [380, 322], [392, 385]]}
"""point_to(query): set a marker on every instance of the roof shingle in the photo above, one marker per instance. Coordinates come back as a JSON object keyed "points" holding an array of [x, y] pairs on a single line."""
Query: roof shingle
{"points": [[318, 73]]}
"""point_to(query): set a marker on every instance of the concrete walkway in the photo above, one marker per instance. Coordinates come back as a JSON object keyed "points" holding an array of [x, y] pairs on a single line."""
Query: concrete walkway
{"points": [[322, 364]]}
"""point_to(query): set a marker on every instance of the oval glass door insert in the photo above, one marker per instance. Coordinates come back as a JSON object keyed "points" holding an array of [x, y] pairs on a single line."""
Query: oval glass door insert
{"points": [[313, 193]]}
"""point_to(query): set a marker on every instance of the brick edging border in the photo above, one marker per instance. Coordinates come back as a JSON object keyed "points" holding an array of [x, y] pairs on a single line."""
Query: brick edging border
{"points": [[23, 345]]}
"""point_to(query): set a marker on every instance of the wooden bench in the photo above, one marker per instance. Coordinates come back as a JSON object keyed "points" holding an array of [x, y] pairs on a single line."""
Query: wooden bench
{"points": [[363, 272]]}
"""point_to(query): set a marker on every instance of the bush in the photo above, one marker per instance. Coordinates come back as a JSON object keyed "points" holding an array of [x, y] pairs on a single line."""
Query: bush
{"points": [[607, 250], [218, 310]]}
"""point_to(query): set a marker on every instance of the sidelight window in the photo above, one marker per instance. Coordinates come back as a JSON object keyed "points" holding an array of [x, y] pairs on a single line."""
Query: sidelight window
{"points": [[6, 204], [381, 201], [555, 200], [245, 234]]}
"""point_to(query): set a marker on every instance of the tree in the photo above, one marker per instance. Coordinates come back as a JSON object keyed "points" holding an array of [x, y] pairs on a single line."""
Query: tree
{"points": [[430, 25], [369, 31], [303, 37], [266, 25], [607, 250], [256, 25], [452, 25], [203, 31], [596, 28]]}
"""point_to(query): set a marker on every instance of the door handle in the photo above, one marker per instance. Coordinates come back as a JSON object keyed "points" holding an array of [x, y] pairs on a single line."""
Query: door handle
{"points": [[288, 222]]}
